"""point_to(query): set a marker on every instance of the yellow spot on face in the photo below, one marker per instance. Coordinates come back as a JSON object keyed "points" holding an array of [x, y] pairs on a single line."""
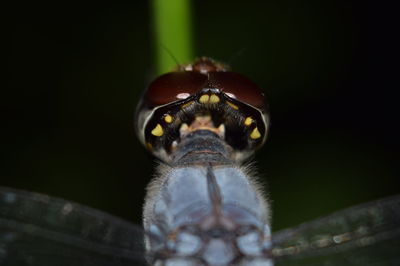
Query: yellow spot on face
{"points": [[149, 146], [168, 118], [186, 104], [255, 134], [204, 98], [157, 131], [233, 105], [214, 98], [184, 127], [248, 121]]}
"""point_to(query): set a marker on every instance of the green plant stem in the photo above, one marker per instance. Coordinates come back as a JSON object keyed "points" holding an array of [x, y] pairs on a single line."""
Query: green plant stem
{"points": [[172, 33]]}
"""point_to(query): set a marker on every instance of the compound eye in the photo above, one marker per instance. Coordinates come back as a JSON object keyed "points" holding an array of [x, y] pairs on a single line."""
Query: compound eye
{"points": [[174, 86], [238, 87]]}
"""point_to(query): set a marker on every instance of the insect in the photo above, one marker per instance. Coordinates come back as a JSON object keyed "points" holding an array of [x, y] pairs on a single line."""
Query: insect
{"points": [[204, 207]]}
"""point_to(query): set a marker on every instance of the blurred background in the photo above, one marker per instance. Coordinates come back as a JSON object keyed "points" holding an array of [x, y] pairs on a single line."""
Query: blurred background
{"points": [[75, 73]]}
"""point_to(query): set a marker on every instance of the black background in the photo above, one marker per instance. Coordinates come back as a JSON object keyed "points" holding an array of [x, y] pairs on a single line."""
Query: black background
{"points": [[74, 74]]}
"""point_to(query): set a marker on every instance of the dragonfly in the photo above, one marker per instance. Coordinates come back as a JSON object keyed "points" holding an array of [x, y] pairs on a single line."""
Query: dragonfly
{"points": [[204, 207]]}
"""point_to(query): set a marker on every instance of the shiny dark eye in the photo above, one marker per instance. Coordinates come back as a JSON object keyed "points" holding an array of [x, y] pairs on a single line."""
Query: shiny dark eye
{"points": [[174, 86], [239, 87]]}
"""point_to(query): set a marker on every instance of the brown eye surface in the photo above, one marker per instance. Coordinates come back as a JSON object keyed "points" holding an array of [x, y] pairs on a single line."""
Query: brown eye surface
{"points": [[174, 86], [238, 87]]}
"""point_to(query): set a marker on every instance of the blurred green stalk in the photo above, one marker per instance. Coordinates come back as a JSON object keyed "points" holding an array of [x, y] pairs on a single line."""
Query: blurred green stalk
{"points": [[172, 33]]}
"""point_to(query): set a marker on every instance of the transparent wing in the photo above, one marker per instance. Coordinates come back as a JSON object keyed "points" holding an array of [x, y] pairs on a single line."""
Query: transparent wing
{"points": [[38, 230], [367, 234]]}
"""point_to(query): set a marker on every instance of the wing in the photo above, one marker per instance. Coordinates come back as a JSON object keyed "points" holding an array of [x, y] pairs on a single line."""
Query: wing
{"points": [[367, 234], [38, 230]]}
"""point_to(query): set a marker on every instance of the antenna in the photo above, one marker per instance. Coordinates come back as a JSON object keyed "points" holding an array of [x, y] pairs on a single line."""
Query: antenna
{"points": [[170, 54]]}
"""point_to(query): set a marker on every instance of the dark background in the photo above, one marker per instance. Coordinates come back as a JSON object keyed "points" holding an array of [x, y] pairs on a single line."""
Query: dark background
{"points": [[74, 74]]}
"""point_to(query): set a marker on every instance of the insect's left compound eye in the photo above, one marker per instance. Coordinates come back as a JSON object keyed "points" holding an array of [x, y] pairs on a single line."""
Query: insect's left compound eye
{"points": [[174, 86]]}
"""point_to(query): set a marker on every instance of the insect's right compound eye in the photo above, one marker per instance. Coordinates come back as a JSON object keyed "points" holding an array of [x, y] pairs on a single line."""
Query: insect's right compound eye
{"points": [[238, 87], [174, 86]]}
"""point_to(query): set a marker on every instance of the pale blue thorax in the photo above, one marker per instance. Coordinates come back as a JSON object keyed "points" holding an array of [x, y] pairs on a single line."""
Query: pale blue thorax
{"points": [[184, 193]]}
